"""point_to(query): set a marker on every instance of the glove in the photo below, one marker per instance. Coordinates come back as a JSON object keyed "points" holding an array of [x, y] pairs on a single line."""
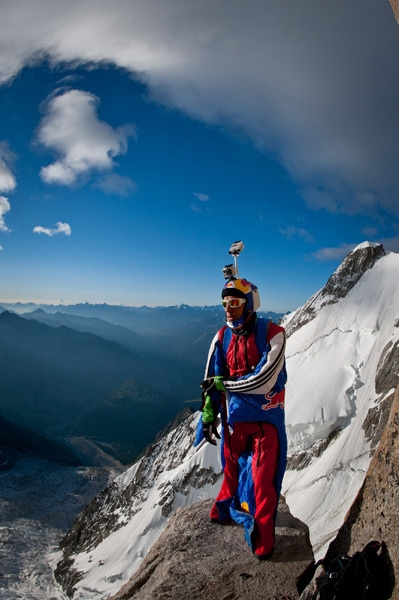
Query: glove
{"points": [[209, 430], [213, 383], [209, 409]]}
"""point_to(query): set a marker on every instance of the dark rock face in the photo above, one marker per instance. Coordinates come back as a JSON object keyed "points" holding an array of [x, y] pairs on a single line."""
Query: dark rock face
{"points": [[338, 285], [350, 271], [300, 460], [386, 380], [388, 369], [196, 559], [374, 514]]}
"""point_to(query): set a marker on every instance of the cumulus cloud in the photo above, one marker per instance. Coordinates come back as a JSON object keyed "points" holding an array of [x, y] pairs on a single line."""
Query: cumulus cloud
{"points": [[7, 180], [4, 209], [315, 83], [82, 143], [59, 229]]}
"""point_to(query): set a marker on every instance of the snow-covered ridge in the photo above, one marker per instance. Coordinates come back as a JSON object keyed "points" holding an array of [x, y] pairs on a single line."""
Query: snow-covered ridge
{"points": [[344, 278], [110, 538]]}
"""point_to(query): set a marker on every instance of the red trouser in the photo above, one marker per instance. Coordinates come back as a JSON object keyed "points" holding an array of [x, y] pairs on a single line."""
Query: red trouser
{"points": [[262, 439]]}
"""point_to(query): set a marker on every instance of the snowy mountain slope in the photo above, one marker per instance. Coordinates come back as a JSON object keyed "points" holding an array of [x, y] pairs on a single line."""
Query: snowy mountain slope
{"points": [[343, 364], [333, 408], [110, 538]]}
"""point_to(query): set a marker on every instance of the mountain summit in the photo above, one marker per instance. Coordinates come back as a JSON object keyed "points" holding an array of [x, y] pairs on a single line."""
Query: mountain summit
{"points": [[344, 278]]}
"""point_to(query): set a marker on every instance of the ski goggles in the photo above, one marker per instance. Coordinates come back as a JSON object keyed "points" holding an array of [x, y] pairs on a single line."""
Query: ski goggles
{"points": [[233, 302]]}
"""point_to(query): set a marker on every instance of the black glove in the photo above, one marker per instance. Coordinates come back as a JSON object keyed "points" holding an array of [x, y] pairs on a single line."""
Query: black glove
{"points": [[208, 385], [209, 430]]}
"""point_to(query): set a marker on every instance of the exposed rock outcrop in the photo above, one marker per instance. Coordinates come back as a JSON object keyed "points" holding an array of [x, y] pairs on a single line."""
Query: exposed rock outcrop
{"points": [[339, 284], [386, 381], [196, 559], [395, 8], [374, 514]]}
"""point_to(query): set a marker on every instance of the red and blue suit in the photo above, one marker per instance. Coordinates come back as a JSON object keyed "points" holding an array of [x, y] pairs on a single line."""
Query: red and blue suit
{"points": [[254, 442]]}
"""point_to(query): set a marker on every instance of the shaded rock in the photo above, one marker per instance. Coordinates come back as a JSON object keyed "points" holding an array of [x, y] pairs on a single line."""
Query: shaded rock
{"points": [[374, 514], [386, 381], [196, 559]]}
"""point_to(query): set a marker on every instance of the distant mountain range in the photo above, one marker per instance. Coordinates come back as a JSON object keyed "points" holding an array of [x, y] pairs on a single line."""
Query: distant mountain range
{"points": [[55, 380], [113, 374]]}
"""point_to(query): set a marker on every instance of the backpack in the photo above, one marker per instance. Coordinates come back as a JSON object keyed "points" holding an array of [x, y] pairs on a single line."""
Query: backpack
{"points": [[357, 577]]}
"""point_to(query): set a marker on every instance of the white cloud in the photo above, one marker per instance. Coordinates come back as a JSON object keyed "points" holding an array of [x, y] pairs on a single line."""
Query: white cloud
{"points": [[82, 143], [202, 206], [334, 253], [313, 82], [337, 254], [201, 197], [7, 180], [4, 209], [59, 229]]}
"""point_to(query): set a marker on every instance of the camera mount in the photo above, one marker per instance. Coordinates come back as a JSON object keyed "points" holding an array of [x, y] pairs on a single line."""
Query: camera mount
{"points": [[231, 271]]}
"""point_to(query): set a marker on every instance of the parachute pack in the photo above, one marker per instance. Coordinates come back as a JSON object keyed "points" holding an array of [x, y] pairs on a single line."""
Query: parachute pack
{"points": [[362, 576]]}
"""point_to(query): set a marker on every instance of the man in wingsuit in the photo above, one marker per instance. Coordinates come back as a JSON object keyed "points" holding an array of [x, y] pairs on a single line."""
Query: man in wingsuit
{"points": [[244, 390]]}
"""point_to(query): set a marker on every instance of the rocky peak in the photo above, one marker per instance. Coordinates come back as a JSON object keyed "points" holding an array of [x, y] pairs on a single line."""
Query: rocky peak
{"points": [[352, 268], [345, 277]]}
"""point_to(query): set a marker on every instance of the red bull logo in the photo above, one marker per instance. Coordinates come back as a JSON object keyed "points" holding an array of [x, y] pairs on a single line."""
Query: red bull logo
{"points": [[275, 400]]}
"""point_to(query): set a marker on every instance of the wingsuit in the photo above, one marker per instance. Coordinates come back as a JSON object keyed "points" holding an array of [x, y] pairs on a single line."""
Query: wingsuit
{"points": [[244, 388]]}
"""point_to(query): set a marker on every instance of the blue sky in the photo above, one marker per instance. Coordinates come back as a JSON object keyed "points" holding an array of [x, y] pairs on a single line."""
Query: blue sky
{"points": [[138, 140]]}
